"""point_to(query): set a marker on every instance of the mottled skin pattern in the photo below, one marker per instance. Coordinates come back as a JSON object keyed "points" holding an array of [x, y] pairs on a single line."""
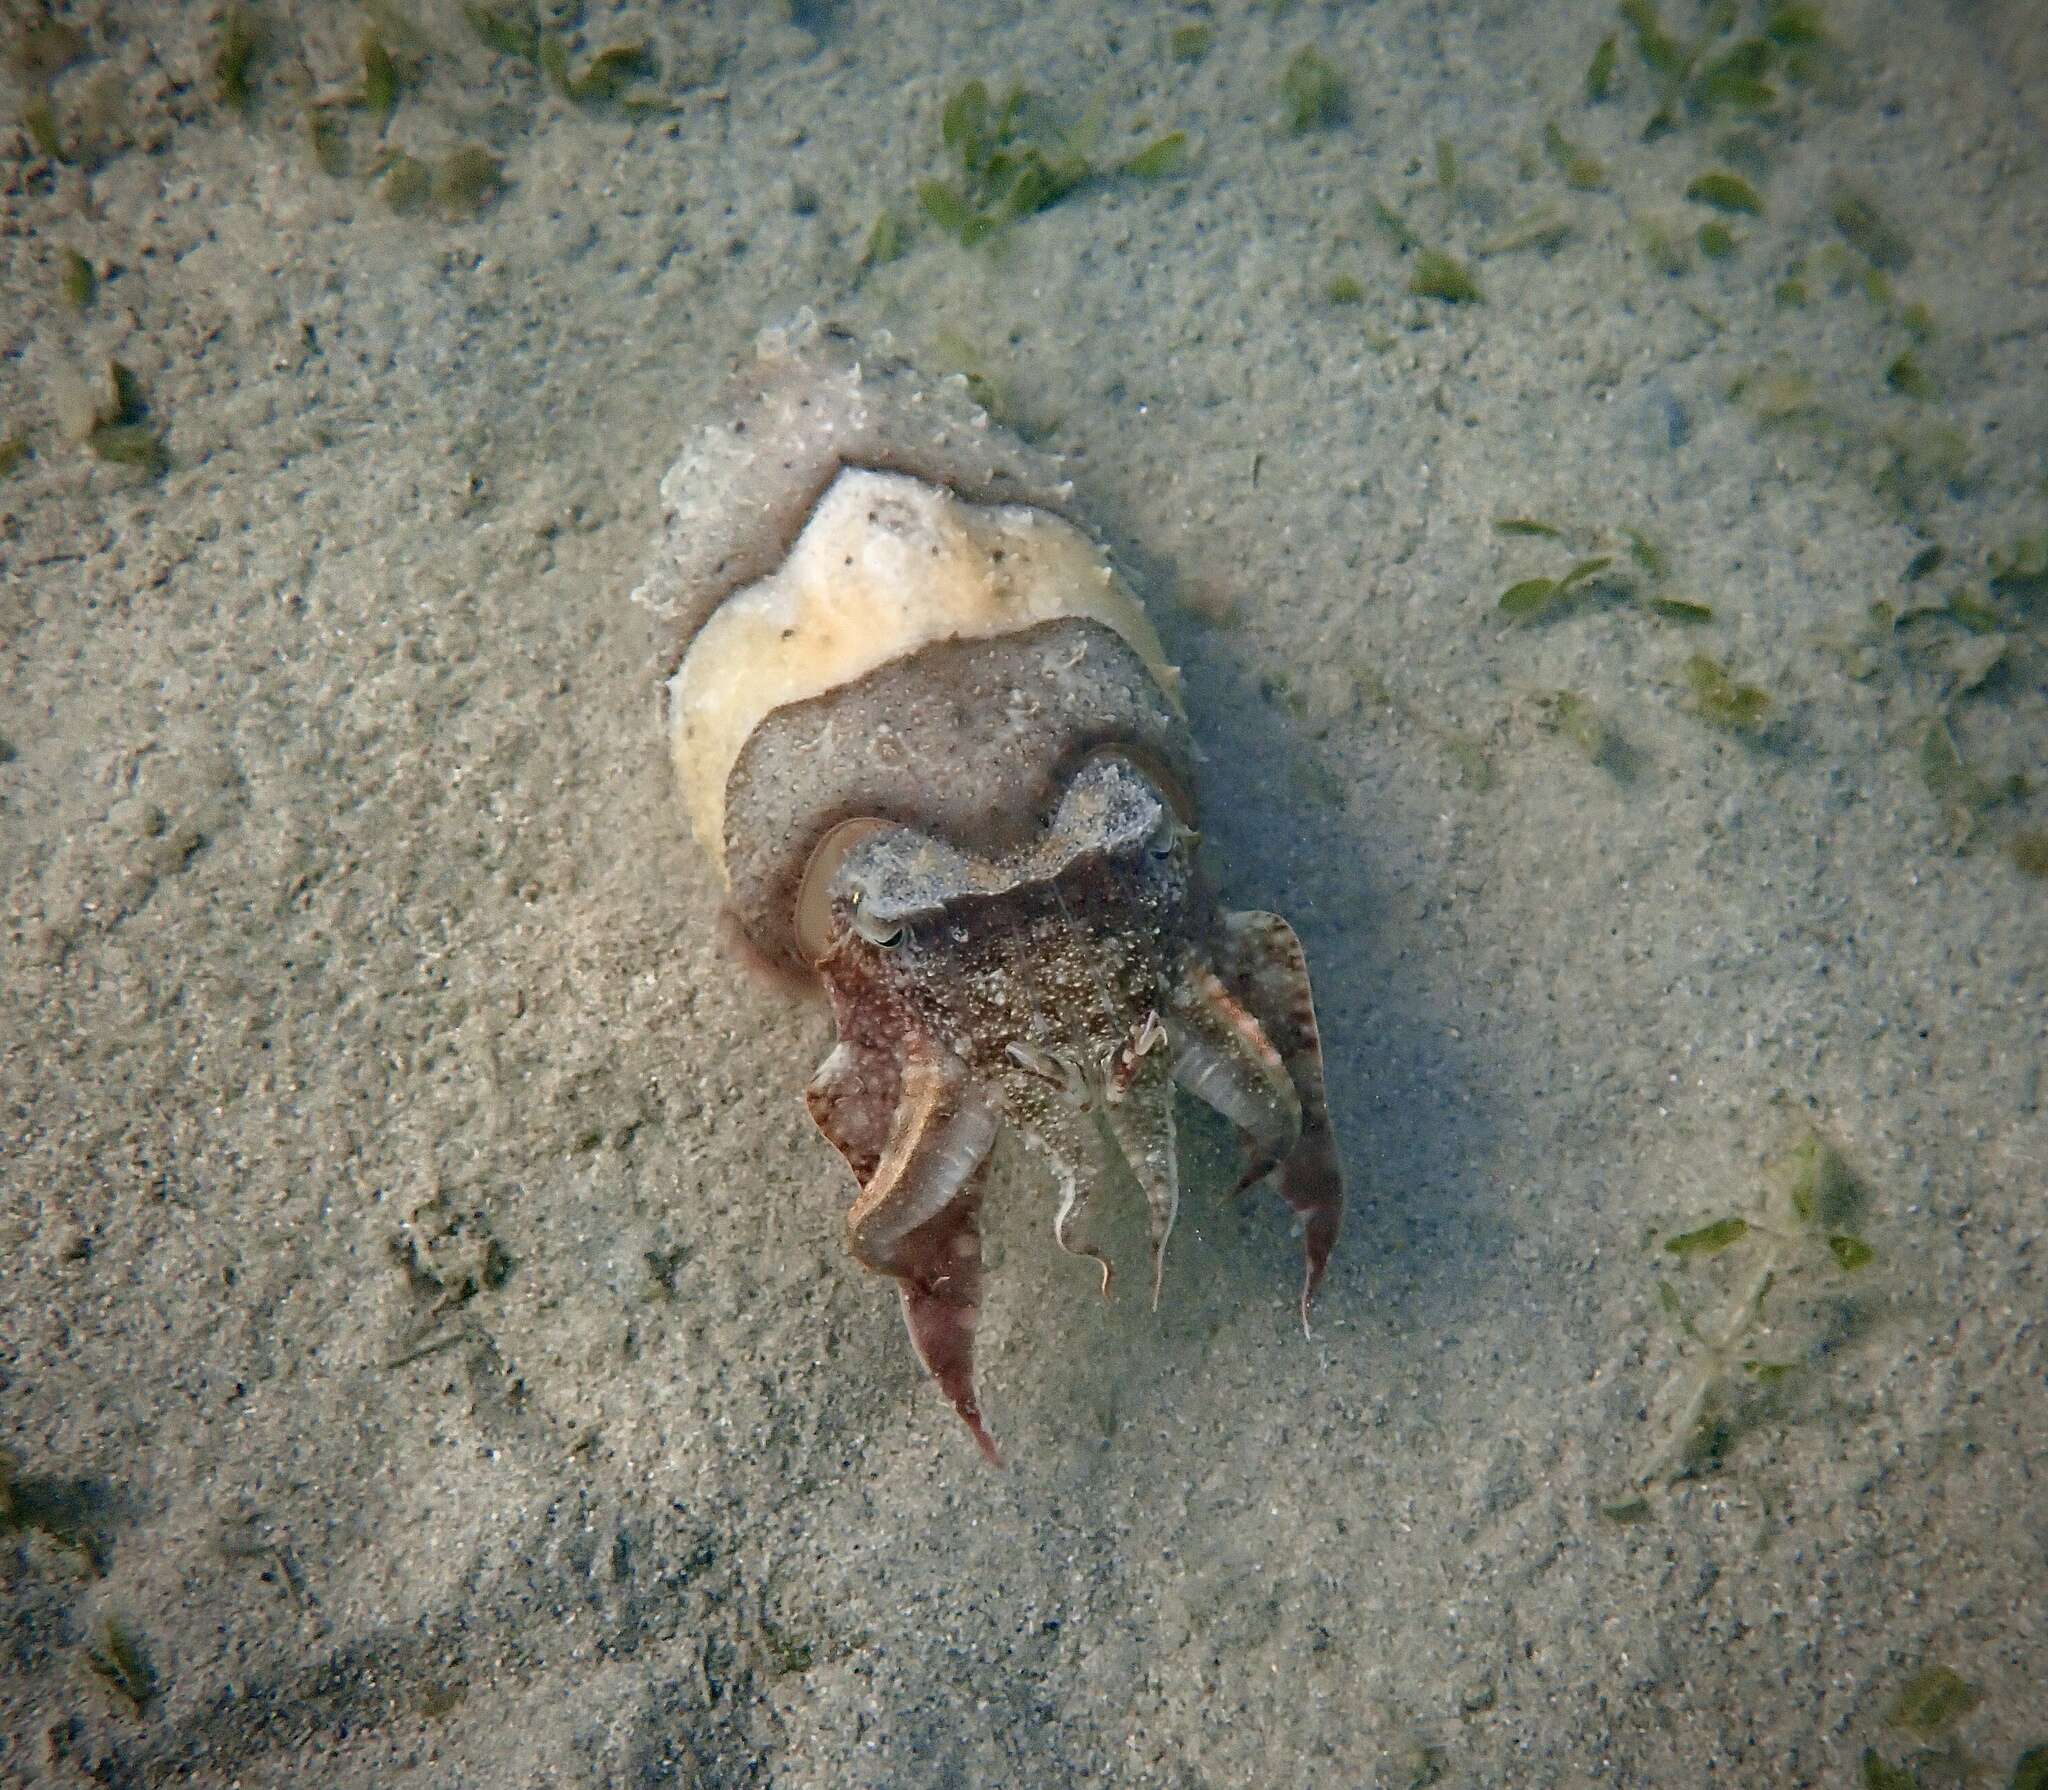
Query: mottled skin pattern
{"points": [[1066, 988]]}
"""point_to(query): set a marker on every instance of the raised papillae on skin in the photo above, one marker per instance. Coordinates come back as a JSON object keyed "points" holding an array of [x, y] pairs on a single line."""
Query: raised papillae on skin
{"points": [[930, 739]]}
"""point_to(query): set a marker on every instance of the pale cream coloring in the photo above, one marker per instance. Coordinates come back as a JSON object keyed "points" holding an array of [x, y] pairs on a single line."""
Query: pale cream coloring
{"points": [[885, 565]]}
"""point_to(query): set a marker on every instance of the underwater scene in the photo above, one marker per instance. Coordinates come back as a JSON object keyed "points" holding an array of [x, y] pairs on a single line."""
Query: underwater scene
{"points": [[992, 894]]}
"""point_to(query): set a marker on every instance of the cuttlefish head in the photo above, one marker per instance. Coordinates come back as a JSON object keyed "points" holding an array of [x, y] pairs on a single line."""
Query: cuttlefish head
{"points": [[1065, 986]]}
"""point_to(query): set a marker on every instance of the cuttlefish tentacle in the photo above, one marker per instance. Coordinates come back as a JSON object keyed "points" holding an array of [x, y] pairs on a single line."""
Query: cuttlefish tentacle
{"points": [[1261, 961], [1221, 1056], [917, 1218]]}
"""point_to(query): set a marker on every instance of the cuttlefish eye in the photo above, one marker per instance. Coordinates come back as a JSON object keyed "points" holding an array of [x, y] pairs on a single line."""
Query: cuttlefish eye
{"points": [[877, 932], [1171, 835], [813, 916]]}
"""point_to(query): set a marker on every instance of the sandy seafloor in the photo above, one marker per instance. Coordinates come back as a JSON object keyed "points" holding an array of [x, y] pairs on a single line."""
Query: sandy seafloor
{"points": [[425, 1330]]}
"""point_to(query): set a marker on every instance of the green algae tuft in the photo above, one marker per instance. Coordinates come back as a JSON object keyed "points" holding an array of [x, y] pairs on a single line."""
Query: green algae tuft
{"points": [[119, 1661], [1868, 232], [509, 30], [1534, 597], [76, 281], [1313, 95], [1926, 561], [1600, 71], [39, 125], [1161, 157], [1016, 157], [1725, 192], [1438, 276], [1709, 1239], [1582, 172], [1717, 697], [1931, 1701], [379, 93], [45, 50], [327, 141], [244, 36], [884, 243], [407, 183], [466, 180], [1909, 378]]}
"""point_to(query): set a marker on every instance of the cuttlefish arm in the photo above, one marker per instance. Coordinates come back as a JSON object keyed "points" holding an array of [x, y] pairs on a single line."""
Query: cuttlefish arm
{"points": [[1137, 1111], [1260, 961], [1047, 1097], [917, 1135], [1221, 1055]]}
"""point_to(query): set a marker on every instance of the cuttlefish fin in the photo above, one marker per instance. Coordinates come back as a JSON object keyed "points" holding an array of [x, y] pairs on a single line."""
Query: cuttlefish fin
{"points": [[1261, 962], [917, 1217]]}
